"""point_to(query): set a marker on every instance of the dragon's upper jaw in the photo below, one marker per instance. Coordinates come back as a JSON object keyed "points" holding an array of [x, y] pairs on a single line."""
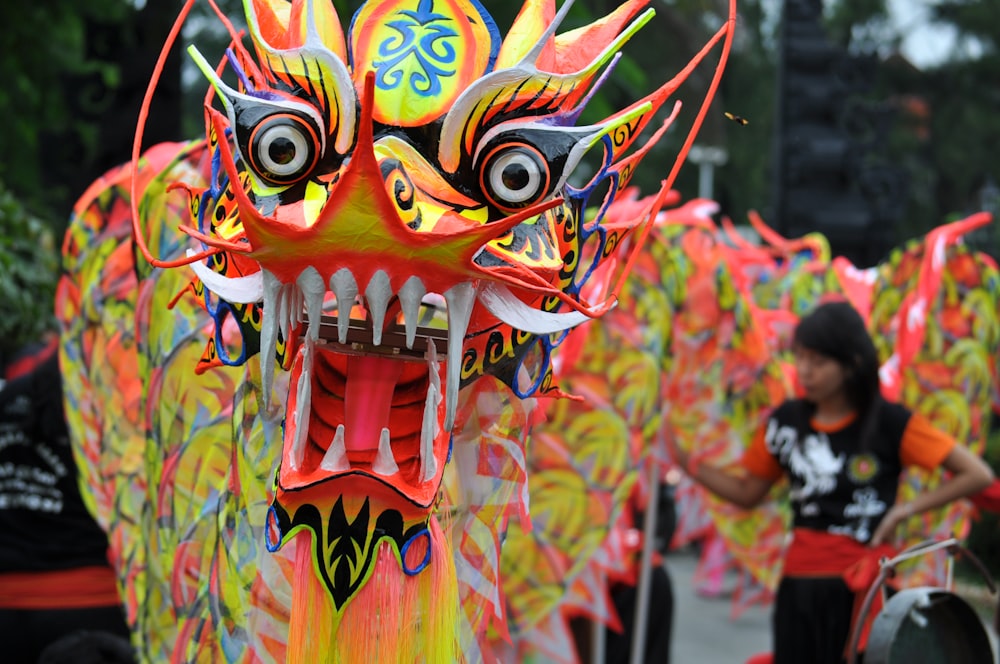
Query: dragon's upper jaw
{"points": [[374, 387]]}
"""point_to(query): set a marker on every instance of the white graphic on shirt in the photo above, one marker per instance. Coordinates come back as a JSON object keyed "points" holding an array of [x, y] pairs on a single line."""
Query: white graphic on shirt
{"points": [[779, 439], [813, 463], [810, 509], [865, 507], [29, 487]]}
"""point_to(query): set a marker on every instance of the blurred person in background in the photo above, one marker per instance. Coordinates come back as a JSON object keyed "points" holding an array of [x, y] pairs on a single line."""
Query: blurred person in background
{"points": [[55, 578]]}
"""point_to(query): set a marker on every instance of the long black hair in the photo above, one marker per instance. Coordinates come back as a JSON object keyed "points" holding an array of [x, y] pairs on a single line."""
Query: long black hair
{"points": [[836, 330]]}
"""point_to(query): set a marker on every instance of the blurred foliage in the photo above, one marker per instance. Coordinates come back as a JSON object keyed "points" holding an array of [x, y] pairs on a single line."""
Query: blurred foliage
{"points": [[29, 266], [949, 120], [744, 182], [43, 45]]}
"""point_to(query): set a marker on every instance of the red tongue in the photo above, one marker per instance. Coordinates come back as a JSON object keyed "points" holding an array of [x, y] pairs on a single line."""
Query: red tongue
{"points": [[367, 399]]}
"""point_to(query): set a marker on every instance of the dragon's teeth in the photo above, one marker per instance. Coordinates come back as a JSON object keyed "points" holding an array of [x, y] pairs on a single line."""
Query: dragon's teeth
{"points": [[313, 290], [296, 314], [409, 299], [460, 300], [283, 310], [345, 288], [298, 455], [303, 406], [335, 459], [385, 464], [429, 425], [269, 334], [428, 432], [378, 293]]}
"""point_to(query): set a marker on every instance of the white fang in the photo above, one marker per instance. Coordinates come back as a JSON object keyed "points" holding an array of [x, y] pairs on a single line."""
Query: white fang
{"points": [[460, 300], [345, 288], [384, 464], [335, 459], [378, 293], [409, 300]]}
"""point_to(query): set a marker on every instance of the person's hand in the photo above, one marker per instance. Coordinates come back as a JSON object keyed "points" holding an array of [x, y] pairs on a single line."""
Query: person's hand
{"points": [[680, 457], [895, 516]]}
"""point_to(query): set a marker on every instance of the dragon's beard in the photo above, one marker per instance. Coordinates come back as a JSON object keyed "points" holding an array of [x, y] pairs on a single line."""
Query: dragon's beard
{"points": [[365, 595], [348, 530]]}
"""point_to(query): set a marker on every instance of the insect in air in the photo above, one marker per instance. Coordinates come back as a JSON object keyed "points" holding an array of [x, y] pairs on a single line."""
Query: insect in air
{"points": [[736, 118]]}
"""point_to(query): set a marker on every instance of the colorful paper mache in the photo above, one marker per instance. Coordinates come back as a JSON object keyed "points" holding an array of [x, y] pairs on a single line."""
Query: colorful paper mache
{"points": [[379, 238]]}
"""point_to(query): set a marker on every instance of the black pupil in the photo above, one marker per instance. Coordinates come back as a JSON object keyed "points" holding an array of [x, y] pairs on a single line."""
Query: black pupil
{"points": [[281, 150], [515, 176]]}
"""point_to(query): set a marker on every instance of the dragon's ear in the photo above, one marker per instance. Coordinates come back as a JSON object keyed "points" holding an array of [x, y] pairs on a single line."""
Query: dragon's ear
{"points": [[282, 25], [524, 91], [575, 49], [529, 27]]}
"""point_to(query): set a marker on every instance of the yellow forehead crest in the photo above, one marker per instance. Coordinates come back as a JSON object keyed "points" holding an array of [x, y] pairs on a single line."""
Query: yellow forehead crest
{"points": [[423, 54]]}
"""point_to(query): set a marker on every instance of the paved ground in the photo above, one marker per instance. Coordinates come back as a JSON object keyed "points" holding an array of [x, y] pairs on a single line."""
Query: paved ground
{"points": [[704, 633]]}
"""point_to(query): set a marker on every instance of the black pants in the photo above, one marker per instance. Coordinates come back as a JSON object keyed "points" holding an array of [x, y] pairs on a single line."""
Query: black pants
{"points": [[812, 620], [25, 634], [618, 647]]}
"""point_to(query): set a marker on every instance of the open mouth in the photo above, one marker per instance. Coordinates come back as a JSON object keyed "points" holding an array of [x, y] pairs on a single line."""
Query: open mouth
{"points": [[374, 382], [376, 371]]}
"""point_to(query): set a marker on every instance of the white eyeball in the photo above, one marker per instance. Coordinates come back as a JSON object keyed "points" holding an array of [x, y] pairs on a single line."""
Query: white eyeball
{"points": [[515, 177], [283, 149]]}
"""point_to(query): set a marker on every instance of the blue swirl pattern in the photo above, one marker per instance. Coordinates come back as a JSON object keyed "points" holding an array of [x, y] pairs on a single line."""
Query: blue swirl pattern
{"points": [[424, 36]]}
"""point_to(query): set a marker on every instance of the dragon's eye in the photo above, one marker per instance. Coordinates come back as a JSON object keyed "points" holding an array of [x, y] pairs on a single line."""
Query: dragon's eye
{"points": [[514, 176], [283, 148]]}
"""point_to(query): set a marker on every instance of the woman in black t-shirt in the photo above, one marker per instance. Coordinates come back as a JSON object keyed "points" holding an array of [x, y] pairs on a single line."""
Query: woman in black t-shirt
{"points": [[842, 447]]}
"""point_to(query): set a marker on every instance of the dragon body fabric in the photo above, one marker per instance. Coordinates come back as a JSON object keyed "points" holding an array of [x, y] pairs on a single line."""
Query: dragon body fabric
{"points": [[379, 239], [698, 352]]}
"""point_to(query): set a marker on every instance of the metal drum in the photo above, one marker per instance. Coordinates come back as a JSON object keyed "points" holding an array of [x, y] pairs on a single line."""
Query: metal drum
{"points": [[928, 626]]}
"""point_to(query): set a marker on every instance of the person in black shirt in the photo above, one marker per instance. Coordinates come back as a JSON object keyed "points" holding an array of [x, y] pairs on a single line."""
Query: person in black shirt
{"points": [[54, 574], [842, 447]]}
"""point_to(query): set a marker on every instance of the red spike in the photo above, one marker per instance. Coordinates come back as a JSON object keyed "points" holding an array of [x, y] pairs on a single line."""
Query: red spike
{"points": [[575, 50], [365, 142], [725, 31], [147, 99], [480, 235]]}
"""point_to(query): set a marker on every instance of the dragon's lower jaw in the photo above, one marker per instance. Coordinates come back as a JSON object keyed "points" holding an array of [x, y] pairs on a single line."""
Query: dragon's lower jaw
{"points": [[366, 415]]}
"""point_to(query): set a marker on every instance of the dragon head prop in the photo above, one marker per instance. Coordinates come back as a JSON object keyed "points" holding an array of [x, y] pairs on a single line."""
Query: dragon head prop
{"points": [[392, 214]]}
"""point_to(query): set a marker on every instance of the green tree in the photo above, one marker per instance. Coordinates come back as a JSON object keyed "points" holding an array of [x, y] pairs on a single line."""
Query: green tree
{"points": [[748, 90], [29, 263], [964, 95], [76, 73], [41, 47]]}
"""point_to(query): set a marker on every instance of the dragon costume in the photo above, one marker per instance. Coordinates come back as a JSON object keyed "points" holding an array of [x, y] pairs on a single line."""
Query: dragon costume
{"points": [[385, 236], [382, 238]]}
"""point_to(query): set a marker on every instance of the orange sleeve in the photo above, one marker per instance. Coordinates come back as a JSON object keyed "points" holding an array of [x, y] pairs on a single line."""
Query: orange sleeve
{"points": [[759, 461], [923, 444]]}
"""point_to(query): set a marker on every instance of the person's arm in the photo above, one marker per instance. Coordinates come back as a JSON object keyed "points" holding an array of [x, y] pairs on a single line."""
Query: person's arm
{"points": [[746, 490], [968, 474]]}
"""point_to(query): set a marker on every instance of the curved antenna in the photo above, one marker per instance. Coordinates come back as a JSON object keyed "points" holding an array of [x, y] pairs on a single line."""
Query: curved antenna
{"points": [[726, 31], [147, 99]]}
